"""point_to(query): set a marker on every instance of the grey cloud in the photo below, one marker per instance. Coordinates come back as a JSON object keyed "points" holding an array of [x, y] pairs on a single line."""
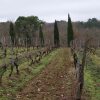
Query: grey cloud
{"points": [[49, 10]]}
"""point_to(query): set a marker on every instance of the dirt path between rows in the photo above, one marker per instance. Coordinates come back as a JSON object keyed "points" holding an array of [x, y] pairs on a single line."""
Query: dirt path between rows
{"points": [[54, 82]]}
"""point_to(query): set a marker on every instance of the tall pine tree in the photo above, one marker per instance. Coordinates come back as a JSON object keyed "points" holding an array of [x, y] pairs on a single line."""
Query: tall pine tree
{"points": [[41, 36], [12, 33], [70, 34], [56, 35]]}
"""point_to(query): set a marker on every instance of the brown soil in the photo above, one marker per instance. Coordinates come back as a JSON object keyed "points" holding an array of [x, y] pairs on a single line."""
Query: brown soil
{"points": [[54, 82]]}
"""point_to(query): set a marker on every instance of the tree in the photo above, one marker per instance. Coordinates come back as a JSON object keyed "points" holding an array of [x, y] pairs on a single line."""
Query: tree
{"points": [[56, 35], [70, 32], [27, 25], [41, 37], [91, 23], [12, 33]]}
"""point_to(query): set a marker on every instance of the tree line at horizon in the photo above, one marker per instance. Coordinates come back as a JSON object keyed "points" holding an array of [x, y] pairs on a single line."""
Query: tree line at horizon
{"points": [[26, 27]]}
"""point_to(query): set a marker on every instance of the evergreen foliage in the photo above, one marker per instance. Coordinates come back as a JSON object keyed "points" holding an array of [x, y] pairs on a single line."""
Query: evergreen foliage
{"points": [[91, 23], [12, 33], [41, 36], [56, 35], [70, 34]]}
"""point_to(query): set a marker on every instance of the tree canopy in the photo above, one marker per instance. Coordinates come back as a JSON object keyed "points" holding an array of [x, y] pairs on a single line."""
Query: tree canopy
{"points": [[70, 33], [41, 36], [56, 35], [12, 33], [93, 22], [27, 24], [26, 27]]}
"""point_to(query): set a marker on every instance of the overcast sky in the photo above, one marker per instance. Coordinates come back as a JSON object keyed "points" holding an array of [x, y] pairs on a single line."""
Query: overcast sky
{"points": [[49, 10]]}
